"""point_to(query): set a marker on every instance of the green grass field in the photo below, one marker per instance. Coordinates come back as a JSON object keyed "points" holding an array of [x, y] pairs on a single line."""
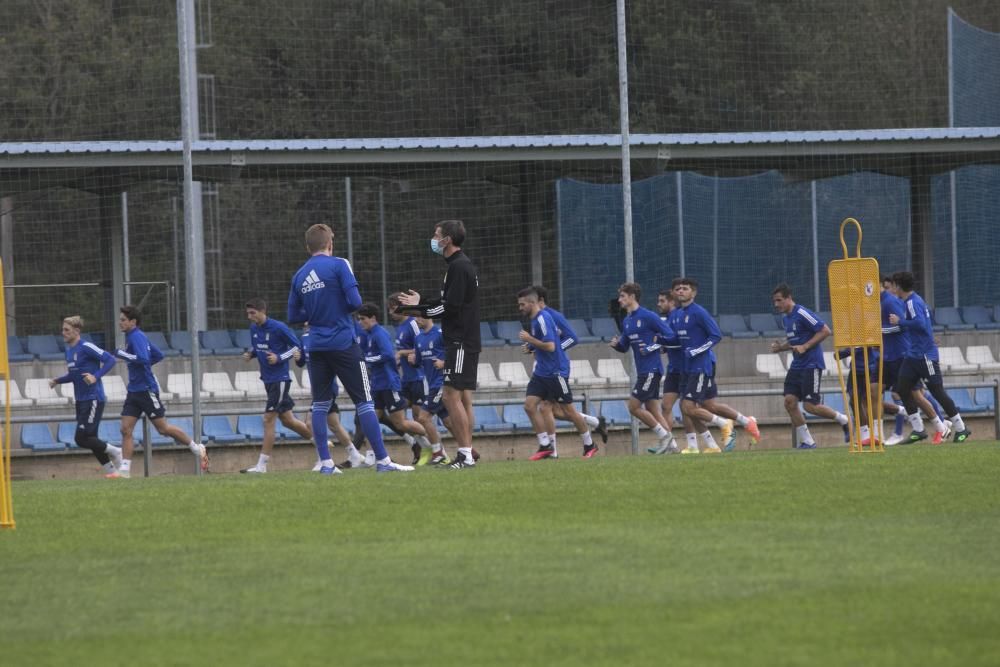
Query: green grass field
{"points": [[766, 558]]}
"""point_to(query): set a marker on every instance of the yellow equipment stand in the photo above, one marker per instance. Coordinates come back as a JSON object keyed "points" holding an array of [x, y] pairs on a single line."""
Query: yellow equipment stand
{"points": [[855, 303], [6, 503]]}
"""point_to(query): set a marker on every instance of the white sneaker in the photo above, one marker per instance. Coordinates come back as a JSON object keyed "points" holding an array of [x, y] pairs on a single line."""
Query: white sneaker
{"points": [[254, 470], [894, 439], [116, 455], [357, 460], [315, 468], [125, 474], [369, 461], [202, 455], [392, 466], [947, 429], [667, 446]]}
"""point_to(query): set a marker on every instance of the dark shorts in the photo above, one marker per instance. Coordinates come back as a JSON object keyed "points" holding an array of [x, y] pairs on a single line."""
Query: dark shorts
{"points": [[88, 416], [139, 402], [672, 383], [431, 402], [555, 389], [804, 384], [914, 370], [389, 400], [647, 387], [325, 366], [460, 367], [699, 387], [890, 373], [278, 397], [414, 391]]}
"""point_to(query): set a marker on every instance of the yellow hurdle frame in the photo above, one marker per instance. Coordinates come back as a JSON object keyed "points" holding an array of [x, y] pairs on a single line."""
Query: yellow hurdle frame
{"points": [[6, 503], [856, 307]]}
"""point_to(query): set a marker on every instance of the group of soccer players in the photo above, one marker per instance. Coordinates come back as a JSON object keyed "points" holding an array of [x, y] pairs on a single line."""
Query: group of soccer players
{"points": [[432, 370]]}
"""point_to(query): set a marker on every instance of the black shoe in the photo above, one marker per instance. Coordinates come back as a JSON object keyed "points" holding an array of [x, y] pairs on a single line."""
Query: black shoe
{"points": [[916, 436], [345, 465], [416, 449], [602, 429], [962, 436], [460, 462], [847, 432]]}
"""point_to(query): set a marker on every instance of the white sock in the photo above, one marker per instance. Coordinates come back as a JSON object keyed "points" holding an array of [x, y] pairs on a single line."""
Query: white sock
{"points": [[957, 422], [262, 461], [352, 451], [466, 453], [552, 441], [805, 437], [842, 419], [108, 467], [423, 441], [409, 439], [865, 433], [126, 464], [194, 447], [110, 449], [916, 422], [692, 439], [587, 440], [591, 420], [717, 421], [385, 461], [543, 439], [327, 463], [709, 441], [660, 431], [741, 420], [436, 447], [938, 424]]}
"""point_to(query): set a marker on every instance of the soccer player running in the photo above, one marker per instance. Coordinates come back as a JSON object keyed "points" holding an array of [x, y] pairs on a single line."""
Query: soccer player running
{"points": [[698, 334], [429, 352], [274, 345], [921, 363], [324, 293], [642, 331], [411, 375], [87, 364], [458, 310], [567, 339], [547, 384], [804, 335], [385, 383], [144, 393]]}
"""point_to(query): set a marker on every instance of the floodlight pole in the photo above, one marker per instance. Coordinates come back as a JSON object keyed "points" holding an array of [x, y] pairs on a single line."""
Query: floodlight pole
{"points": [[626, 178]]}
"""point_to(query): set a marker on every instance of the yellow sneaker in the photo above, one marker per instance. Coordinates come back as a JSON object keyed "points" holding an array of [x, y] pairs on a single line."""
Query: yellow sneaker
{"points": [[690, 450], [425, 456], [712, 450], [726, 430]]}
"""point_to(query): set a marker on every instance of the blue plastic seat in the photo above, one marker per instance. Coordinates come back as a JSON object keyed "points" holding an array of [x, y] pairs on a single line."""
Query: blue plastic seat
{"points": [[984, 398], [487, 337], [347, 420], [217, 428], [181, 341], [219, 342], [160, 342], [509, 331], [979, 317], [736, 326], [185, 424], [604, 327], [282, 431], [963, 401], [16, 352], [950, 318], [616, 413], [45, 347], [488, 419], [38, 438], [66, 434], [110, 431], [516, 418], [252, 426], [242, 338], [767, 325], [582, 331]]}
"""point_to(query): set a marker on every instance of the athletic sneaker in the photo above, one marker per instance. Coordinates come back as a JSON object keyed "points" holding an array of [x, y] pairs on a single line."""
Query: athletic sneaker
{"points": [[392, 467], [203, 457], [113, 475], [425, 457], [602, 429], [252, 470], [712, 450], [369, 460], [327, 470], [125, 474], [940, 436], [439, 459], [417, 450], [894, 439], [355, 460], [807, 445], [729, 445], [667, 445], [962, 436], [589, 451], [847, 431], [116, 455], [752, 430], [317, 466], [461, 462], [726, 430], [544, 452], [916, 436], [691, 450]]}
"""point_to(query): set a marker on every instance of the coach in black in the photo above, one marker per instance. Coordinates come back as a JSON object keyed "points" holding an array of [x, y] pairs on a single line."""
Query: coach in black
{"points": [[458, 310]]}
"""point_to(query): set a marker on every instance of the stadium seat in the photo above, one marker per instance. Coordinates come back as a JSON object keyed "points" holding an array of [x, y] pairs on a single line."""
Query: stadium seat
{"points": [[736, 326], [516, 418], [616, 413], [983, 356], [766, 325], [180, 384], [241, 338], [582, 331], [160, 342], [114, 388], [979, 317], [509, 330], [985, 398], [220, 387], [513, 372], [110, 431], [950, 318], [582, 374], [217, 428], [604, 327], [250, 383], [487, 337], [951, 359], [16, 399], [45, 347], [181, 341], [286, 433], [219, 342], [770, 364], [347, 421], [66, 434], [963, 401], [38, 390], [252, 426], [16, 351], [185, 424], [487, 380], [38, 438], [486, 418], [613, 370]]}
